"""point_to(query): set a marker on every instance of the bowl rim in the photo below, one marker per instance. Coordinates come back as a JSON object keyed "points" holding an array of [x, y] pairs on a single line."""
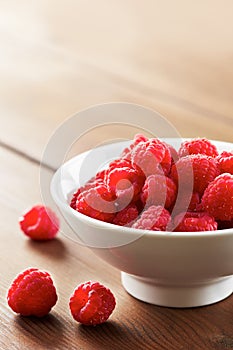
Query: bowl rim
{"points": [[129, 230]]}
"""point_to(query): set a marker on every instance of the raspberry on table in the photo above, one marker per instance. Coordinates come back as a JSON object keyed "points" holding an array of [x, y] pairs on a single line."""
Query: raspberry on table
{"points": [[198, 146], [194, 221], [197, 168], [126, 216], [39, 223], [152, 157], [96, 202], [92, 303], [158, 190], [225, 162], [32, 293], [217, 199], [155, 218]]}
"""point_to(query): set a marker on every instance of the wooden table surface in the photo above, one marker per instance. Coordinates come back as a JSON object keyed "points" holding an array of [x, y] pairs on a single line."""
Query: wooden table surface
{"points": [[58, 57]]}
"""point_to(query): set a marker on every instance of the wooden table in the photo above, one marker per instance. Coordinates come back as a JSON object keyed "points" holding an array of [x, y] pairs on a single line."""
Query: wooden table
{"points": [[58, 57]]}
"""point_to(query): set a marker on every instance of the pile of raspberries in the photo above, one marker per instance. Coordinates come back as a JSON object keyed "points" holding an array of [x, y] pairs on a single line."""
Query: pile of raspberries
{"points": [[151, 186]]}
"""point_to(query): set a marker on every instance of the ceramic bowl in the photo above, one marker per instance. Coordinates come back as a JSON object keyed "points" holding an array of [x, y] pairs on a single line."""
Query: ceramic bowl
{"points": [[173, 269]]}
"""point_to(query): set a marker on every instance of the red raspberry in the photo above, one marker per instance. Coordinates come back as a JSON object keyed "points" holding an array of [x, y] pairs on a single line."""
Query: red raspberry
{"points": [[154, 218], [96, 202], [32, 293], [217, 199], [173, 152], [152, 157], [197, 167], [225, 162], [92, 183], [192, 205], [92, 303], [126, 216], [194, 221], [121, 179], [198, 146], [39, 223], [100, 175], [128, 150], [158, 190], [118, 163]]}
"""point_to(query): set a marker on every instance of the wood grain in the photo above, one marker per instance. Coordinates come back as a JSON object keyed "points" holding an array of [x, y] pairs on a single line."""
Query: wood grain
{"points": [[61, 57]]}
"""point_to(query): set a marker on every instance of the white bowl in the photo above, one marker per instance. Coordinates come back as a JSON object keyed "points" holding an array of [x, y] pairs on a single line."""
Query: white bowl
{"points": [[174, 269]]}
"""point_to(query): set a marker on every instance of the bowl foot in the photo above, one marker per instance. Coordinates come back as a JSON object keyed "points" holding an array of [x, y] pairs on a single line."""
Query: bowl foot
{"points": [[177, 295]]}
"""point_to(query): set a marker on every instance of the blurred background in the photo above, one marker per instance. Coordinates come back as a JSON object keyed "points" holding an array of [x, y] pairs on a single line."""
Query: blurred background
{"points": [[58, 57]]}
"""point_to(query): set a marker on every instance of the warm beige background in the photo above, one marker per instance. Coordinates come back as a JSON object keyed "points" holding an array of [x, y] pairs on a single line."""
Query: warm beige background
{"points": [[58, 57]]}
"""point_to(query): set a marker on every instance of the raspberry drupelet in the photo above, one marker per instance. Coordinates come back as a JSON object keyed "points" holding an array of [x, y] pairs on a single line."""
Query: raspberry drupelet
{"points": [[155, 218], [158, 190]]}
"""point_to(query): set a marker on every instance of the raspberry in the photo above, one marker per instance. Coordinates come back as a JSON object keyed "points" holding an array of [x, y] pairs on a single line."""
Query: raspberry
{"points": [[217, 199], [152, 157], [74, 198], [100, 176], [198, 146], [116, 164], [92, 183], [126, 216], [197, 167], [121, 179], [225, 162], [158, 190], [154, 218], [192, 205], [194, 221], [92, 303], [39, 223], [173, 152], [127, 152], [96, 202], [32, 293]]}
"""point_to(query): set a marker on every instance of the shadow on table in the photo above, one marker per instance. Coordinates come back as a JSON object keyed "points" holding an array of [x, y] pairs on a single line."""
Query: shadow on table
{"points": [[46, 331], [54, 249], [106, 336]]}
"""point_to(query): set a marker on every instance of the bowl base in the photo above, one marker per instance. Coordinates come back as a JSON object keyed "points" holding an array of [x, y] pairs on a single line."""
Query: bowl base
{"points": [[177, 295]]}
